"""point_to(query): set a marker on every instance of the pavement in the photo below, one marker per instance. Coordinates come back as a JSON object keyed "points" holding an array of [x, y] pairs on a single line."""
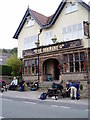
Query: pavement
{"points": [[35, 95]]}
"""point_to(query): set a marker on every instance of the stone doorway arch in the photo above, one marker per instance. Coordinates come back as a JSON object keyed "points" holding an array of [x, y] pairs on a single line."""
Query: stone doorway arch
{"points": [[50, 69]]}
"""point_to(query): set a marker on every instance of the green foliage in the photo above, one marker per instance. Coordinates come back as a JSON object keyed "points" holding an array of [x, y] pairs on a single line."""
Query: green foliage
{"points": [[81, 86], [13, 51], [16, 64], [5, 50], [5, 70]]}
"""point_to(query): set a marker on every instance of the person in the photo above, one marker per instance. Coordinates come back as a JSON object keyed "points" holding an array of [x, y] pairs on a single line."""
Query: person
{"points": [[58, 86], [73, 93], [14, 84], [22, 85], [76, 85], [68, 88], [35, 86], [72, 90]]}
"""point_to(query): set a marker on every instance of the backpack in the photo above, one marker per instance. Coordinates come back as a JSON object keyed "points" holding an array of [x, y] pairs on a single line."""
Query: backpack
{"points": [[43, 96], [78, 96]]}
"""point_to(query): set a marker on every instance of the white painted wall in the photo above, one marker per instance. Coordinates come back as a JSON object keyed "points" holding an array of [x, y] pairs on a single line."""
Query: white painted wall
{"points": [[64, 20]]}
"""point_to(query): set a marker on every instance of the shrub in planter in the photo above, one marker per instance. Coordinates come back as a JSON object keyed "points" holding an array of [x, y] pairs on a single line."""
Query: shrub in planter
{"points": [[81, 87]]}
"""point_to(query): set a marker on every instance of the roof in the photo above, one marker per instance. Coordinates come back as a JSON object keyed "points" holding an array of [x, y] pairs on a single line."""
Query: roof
{"points": [[41, 18], [44, 21]]}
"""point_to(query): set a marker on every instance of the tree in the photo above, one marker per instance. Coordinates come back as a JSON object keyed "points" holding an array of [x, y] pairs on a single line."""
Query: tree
{"points": [[13, 51], [16, 64]]}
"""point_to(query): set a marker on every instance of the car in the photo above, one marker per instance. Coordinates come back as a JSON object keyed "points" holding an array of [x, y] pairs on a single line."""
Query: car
{"points": [[3, 86]]}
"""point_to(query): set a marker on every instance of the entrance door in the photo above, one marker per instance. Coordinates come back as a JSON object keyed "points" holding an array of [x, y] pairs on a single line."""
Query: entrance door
{"points": [[50, 68], [56, 71]]}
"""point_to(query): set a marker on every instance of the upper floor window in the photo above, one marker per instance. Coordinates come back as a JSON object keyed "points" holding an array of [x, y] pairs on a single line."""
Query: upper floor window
{"points": [[30, 21], [48, 37], [71, 7], [73, 32], [29, 42]]}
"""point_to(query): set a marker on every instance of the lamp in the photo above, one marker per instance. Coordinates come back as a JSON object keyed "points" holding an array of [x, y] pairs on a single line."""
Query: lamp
{"points": [[54, 39], [37, 43]]}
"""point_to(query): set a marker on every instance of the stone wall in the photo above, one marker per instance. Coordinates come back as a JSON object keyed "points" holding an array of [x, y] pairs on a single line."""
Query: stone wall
{"points": [[74, 76], [8, 79], [30, 78], [84, 83], [84, 91]]}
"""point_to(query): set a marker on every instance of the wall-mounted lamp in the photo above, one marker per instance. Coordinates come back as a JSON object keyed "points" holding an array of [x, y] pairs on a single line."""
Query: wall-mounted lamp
{"points": [[54, 39], [37, 43]]}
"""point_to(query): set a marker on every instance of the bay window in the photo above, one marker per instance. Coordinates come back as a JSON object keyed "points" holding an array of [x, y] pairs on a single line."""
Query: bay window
{"points": [[25, 69], [29, 67], [82, 61], [36, 66], [71, 62], [75, 62], [33, 66]]}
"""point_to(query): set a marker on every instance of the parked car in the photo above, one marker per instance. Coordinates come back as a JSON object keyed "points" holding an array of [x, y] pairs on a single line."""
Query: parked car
{"points": [[3, 86]]}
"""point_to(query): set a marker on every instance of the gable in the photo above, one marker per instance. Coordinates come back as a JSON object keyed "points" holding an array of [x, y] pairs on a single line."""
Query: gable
{"points": [[43, 21]]}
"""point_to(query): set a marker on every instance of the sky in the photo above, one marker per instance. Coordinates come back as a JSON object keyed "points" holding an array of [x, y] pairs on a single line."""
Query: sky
{"points": [[12, 12]]}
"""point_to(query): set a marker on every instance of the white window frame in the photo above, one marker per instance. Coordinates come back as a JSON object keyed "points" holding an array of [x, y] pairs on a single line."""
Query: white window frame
{"points": [[30, 22], [73, 32], [71, 7], [29, 42], [48, 37]]}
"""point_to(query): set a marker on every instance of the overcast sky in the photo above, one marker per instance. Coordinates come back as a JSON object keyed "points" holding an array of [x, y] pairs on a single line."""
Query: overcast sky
{"points": [[11, 13]]}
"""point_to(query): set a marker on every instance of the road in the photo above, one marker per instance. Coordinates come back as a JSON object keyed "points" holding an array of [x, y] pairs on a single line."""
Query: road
{"points": [[40, 109]]}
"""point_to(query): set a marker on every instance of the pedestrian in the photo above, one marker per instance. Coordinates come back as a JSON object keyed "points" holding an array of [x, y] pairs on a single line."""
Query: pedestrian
{"points": [[58, 86], [68, 88], [71, 90], [73, 93], [14, 84], [22, 85]]}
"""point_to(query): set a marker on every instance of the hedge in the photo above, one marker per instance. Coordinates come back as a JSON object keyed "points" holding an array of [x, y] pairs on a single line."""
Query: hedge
{"points": [[5, 70]]}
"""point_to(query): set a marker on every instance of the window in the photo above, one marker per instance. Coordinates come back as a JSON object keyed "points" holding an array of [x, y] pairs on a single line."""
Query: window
{"points": [[30, 21], [76, 62], [48, 37], [71, 7], [65, 67], [25, 64], [74, 6], [82, 61], [68, 8], [33, 66], [65, 58], [36, 65], [74, 27], [79, 26], [29, 42], [29, 67], [71, 62], [64, 30], [73, 32], [69, 29], [65, 63]]}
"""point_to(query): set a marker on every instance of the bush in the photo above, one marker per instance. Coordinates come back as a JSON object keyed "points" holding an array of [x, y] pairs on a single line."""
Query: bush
{"points": [[5, 70], [81, 87]]}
